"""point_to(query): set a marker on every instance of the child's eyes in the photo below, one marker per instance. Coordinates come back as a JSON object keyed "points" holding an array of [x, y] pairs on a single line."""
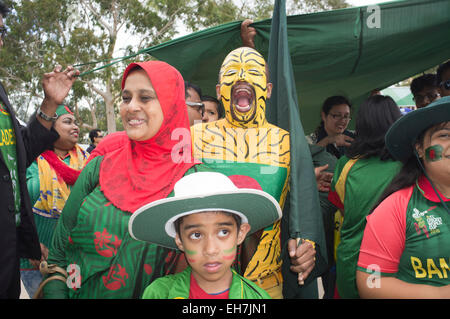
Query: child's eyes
{"points": [[195, 236], [198, 235], [223, 232]]}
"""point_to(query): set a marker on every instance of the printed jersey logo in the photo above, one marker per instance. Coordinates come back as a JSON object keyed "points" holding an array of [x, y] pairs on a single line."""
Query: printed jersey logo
{"points": [[116, 277], [425, 222], [104, 245]]}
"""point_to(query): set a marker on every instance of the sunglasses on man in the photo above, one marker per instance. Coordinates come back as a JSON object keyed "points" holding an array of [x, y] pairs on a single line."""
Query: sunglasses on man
{"points": [[200, 107]]}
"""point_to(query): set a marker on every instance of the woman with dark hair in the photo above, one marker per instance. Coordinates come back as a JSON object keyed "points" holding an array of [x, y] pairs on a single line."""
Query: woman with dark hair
{"points": [[406, 240], [332, 132], [49, 180], [359, 178]]}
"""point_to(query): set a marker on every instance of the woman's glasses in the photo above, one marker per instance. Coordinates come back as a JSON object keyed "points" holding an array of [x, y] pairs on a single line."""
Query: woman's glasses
{"points": [[340, 117]]}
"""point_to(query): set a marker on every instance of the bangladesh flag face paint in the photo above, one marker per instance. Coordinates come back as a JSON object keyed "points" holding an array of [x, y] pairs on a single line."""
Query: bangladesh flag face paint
{"points": [[433, 153], [229, 254], [189, 254]]}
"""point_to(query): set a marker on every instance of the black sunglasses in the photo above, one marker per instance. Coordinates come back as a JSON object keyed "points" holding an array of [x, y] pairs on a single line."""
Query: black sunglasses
{"points": [[3, 32], [446, 84]]}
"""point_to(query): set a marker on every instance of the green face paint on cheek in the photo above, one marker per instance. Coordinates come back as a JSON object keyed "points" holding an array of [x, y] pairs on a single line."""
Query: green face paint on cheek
{"points": [[229, 251], [190, 252], [434, 153], [229, 254]]}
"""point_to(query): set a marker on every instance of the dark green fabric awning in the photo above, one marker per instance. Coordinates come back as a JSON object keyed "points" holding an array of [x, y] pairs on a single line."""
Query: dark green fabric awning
{"points": [[332, 52]]}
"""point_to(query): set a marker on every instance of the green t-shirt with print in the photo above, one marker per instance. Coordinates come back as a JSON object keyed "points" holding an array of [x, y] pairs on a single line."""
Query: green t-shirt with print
{"points": [[8, 152]]}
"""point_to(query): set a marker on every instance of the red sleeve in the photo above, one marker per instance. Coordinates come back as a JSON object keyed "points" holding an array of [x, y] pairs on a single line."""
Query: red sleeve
{"points": [[384, 236]]}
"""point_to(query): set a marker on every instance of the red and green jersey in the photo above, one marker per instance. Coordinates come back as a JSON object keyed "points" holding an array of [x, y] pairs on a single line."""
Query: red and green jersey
{"points": [[179, 286], [356, 186], [408, 237], [92, 236]]}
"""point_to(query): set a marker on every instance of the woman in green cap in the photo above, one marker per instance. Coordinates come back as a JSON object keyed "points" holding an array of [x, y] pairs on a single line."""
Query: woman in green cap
{"points": [[405, 251], [49, 180]]}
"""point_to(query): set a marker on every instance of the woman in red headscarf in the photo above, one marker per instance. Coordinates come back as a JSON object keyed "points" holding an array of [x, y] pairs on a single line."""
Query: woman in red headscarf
{"points": [[92, 241]]}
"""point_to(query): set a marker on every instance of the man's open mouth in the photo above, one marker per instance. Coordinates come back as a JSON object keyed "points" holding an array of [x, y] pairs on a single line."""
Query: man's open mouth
{"points": [[243, 98]]}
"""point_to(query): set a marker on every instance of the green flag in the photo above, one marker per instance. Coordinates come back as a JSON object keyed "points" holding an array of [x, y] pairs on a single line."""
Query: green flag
{"points": [[304, 218]]}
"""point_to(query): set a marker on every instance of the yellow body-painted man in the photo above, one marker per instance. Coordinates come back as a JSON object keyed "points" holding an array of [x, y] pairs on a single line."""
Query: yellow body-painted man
{"points": [[244, 143]]}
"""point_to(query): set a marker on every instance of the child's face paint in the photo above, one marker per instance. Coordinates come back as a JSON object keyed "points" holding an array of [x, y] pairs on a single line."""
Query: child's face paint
{"points": [[229, 254], [434, 153], [189, 254], [209, 240]]}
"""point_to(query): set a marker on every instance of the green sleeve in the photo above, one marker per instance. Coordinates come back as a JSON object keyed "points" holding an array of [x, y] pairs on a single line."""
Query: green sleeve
{"points": [[86, 183], [33, 183], [158, 289]]}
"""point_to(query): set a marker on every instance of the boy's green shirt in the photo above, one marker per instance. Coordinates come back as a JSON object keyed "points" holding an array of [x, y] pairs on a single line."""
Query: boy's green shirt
{"points": [[177, 286]]}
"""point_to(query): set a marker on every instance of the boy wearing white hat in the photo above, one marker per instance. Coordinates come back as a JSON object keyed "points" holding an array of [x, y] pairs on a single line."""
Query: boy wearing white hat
{"points": [[208, 217]]}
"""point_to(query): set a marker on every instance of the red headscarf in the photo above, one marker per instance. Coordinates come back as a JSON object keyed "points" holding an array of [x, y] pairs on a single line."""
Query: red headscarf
{"points": [[134, 173]]}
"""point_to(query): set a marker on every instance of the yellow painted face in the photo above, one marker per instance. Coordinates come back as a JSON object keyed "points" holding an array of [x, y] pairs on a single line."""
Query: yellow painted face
{"points": [[243, 87]]}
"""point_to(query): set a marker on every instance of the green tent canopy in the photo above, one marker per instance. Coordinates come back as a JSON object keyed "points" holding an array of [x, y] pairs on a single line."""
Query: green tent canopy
{"points": [[339, 52]]}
